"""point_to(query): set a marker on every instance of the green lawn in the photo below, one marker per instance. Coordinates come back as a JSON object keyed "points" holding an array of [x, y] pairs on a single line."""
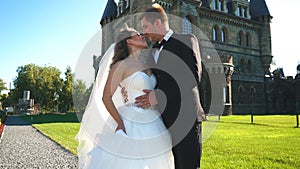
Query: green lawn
{"points": [[62, 128], [62, 133], [271, 142]]}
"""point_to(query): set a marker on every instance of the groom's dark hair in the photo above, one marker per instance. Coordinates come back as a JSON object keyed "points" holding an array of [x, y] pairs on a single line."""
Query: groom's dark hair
{"points": [[155, 12]]}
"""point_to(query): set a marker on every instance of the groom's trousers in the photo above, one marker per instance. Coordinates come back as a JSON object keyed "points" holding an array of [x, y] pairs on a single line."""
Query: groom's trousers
{"points": [[187, 153]]}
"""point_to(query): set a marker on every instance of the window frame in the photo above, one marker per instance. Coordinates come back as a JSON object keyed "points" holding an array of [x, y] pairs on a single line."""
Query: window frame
{"points": [[215, 33], [224, 34], [240, 38]]}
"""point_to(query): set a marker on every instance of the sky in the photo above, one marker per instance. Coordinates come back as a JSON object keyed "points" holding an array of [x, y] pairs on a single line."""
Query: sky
{"points": [[45, 32], [55, 33]]}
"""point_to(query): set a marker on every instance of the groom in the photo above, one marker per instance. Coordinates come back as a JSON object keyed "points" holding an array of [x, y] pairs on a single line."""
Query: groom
{"points": [[175, 61]]}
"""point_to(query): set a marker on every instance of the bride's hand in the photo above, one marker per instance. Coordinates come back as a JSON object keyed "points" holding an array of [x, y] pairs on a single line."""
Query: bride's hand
{"points": [[121, 127]]}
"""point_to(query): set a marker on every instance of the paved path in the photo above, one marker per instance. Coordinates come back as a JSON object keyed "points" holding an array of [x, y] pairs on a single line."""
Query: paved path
{"points": [[22, 146]]}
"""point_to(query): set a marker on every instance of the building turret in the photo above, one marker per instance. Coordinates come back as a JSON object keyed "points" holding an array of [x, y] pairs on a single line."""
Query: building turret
{"points": [[260, 13], [259, 10], [109, 13]]}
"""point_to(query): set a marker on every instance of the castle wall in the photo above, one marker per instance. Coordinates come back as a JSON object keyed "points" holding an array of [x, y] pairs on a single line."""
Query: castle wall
{"points": [[251, 55]]}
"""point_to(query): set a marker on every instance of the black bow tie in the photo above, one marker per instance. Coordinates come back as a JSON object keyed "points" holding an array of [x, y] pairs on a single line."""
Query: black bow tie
{"points": [[158, 45]]}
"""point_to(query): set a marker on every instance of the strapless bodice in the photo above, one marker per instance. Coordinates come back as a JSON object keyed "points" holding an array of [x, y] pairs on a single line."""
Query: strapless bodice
{"points": [[137, 82]]}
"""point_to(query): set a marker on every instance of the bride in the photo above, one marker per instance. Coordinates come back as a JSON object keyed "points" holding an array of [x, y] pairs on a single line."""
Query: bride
{"points": [[115, 133]]}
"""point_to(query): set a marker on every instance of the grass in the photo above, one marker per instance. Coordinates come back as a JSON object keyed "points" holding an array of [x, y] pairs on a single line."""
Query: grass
{"points": [[62, 128], [271, 142], [62, 133]]}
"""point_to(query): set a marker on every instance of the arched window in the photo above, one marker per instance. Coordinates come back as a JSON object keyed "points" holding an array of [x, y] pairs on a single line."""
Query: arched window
{"points": [[241, 38], [252, 94], [249, 66], [215, 33], [224, 35], [248, 40], [239, 11], [241, 92], [186, 25], [242, 65]]}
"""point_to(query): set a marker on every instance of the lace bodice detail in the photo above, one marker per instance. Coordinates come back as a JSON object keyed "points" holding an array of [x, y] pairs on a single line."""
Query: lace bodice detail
{"points": [[137, 82]]}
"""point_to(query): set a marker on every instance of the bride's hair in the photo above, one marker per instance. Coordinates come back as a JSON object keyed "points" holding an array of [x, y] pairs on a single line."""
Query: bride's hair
{"points": [[121, 50]]}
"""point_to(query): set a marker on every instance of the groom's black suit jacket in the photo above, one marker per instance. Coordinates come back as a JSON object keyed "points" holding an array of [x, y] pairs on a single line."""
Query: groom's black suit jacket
{"points": [[178, 72]]}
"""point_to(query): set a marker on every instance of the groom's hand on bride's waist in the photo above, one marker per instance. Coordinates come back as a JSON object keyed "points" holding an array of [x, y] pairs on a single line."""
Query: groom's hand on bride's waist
{"points": [[147, 100]]}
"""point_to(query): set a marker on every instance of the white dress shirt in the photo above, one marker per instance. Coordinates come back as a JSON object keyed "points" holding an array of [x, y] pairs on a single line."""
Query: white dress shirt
{"points": [[157, 51]]}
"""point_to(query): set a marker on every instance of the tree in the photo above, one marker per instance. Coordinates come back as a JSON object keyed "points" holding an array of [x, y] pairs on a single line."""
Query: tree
{"points": [[4, 102], [65, 96], [42, 82], [2, 96], [80, 95], [2, 85]]}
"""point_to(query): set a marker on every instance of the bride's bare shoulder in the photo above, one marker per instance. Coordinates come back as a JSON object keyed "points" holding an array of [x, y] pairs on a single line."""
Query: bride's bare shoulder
{"points": [[119, 66]]}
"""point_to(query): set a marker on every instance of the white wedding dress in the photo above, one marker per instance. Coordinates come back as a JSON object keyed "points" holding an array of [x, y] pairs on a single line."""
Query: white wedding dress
{"points": [[147, 142]]}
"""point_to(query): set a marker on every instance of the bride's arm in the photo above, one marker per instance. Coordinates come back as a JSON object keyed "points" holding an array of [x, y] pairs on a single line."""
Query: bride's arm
{"points": [[115, 76]]}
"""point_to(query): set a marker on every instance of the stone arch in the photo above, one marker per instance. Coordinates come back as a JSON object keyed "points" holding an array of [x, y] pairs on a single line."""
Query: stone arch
{"points": [[224, 34], [241, 94], [216, 33], [240, 38], [242, 65], [252, 94], [249, 66], [248, 40]]}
